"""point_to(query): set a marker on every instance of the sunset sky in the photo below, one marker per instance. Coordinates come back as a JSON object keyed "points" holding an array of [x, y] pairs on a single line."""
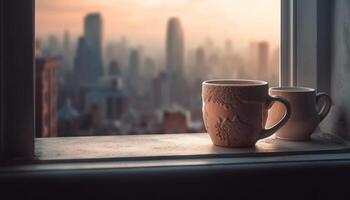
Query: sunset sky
{"points": [[144, 21]]}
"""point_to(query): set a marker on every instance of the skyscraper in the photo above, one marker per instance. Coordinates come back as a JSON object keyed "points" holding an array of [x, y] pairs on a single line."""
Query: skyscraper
{"points": [[82, 66], [200, 64], [88, 66], [134, 70], [53, 47], [149, 68], [175, 48], [67, 52], [93, 39]]}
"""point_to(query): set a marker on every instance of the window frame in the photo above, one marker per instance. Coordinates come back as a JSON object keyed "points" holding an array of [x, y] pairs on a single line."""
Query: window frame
{"points": [[305, 43], [299, 56], [17, 122]]}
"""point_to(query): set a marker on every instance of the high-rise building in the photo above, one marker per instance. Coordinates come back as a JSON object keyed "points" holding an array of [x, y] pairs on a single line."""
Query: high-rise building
{"points": [[134, 70], [67, 53], [93, 39], [52, 47], [160, 91], [82, 67], [200, 64], [88, 65], [175, 48], [263, 59], [149, 68], [46, 96]]}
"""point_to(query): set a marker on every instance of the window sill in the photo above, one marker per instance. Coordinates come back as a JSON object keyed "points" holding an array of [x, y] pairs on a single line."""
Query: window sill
{"points": [[173, 145], [135, 151]]}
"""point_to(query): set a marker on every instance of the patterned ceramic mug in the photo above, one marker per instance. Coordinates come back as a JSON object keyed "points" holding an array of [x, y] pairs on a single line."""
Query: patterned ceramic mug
{"points": [[235, 111]]}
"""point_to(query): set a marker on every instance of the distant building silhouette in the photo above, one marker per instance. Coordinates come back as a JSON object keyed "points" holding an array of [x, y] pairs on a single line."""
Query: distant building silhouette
{"points": [[175, 49], [83, 70], [46, 96], [201, 70], [118, 51], [52, 48], [67, 53], [160, 91], [93, 38], [149, 68], [88, 60], [134, 70]]}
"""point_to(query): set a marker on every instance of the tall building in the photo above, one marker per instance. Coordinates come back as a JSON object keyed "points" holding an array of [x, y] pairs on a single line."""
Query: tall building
{"points": [[67, 53], [149, 68], [46, 96], [134, 63], [160, 91], [175, 48], [52, 47], [93, 38], [83, 70], [134, 70], [200, 64], [263, 60]]}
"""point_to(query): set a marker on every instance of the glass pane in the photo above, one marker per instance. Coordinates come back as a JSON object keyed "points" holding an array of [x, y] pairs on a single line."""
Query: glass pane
{"points": [[108, 67]]}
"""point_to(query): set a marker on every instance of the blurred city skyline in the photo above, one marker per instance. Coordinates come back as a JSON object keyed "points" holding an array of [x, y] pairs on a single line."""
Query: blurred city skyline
{"points": [[143, 22], [137, 76]]}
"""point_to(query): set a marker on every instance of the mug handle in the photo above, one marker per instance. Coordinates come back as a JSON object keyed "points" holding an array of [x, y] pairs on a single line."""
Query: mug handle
{"points": [[326, 106], [274, 128]]}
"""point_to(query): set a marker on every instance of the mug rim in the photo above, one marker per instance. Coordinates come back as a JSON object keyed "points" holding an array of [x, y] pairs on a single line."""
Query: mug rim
{"points": [[292, 89], [235, 82]]}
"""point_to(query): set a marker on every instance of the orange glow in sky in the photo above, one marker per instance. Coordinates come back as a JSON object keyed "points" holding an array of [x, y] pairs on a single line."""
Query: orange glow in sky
{"points": [[144, 21]]}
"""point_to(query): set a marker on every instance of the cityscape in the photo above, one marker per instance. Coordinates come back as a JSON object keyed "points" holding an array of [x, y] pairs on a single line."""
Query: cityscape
{"points": [[87, 87]]}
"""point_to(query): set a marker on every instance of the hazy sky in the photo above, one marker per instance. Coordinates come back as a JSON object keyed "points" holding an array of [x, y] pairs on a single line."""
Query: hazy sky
{"points": [[144, 21]]}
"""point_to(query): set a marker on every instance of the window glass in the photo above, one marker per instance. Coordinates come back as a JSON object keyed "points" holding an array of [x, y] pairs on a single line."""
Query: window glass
{"points": [[136, 66]]}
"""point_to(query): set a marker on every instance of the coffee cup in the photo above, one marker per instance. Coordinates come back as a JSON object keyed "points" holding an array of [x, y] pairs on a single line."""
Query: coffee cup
{"points": [[235, 111], [305, 115]]}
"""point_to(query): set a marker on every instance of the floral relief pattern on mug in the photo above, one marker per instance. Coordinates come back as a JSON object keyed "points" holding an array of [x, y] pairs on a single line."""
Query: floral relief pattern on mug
{"points": [[225, 97], [225, 126]]}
